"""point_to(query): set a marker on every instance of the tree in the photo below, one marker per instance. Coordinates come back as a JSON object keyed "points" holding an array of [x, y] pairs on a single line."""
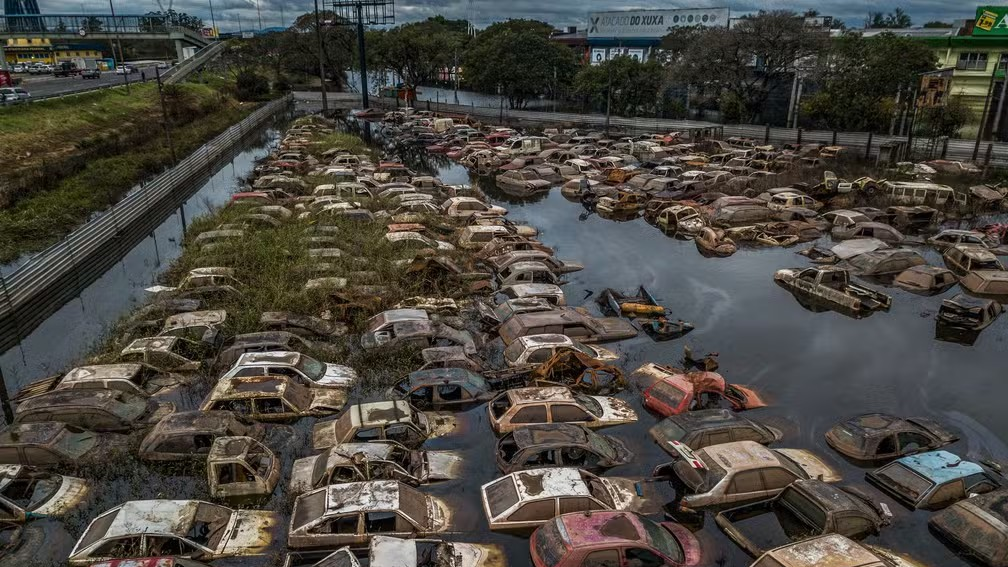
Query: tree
{"points": [[298, 46], [944, 121], [743, 62], [417, 51], [518, 59], [859, 79], [894, 20], [629, 86], [937, 24], [170, 18]]}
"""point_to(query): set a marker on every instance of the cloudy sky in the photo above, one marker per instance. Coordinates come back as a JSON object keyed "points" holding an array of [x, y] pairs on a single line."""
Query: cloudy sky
{"points": [[560, 13]]}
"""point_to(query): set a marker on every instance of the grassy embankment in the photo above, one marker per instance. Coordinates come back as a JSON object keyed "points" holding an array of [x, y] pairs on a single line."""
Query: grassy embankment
{"points": [[68, 158]]}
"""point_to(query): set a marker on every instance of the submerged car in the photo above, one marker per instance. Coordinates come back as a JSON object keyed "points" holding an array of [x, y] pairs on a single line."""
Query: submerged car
{"points": [[806, 508], [841, 552], [385, 460], [925, 280], [537, 349], [139, 380], [523, 500], [968, 313], [379, 421], [442, 388], [351, 513], [831, 286], [190, 434], [730, 474], [877, 437], [191, 529], [703, 428], [388, 551], [610, 539], [273, 398], [673, 391], [935, 480], [241, 468], [29, 493], [47, 443], [976, 527], [567, 321], [308, 371], [527, 406], [559, 445], [96, 410]]}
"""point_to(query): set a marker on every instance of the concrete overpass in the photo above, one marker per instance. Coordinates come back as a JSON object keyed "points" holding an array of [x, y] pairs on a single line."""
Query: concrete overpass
{"points": [[81, 27]]}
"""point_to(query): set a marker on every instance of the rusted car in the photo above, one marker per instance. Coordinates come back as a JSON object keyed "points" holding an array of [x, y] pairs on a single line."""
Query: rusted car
{"points": [[559, 445], [976, 527], [671, 391], [881, 263], [831, 287], [730, 474], [48, 443], [925, 280], [554, 294], [351, 513], [581, 372], [411, 327], [878, 230], [968, 313], [702, 428], [934, 480], [526, 406], [538, 349], [526, 181], [139, 380], [681, 219], [965, 258], [187, 528], [521, 501], [987, 284], [95, 410], [241, 469], [268, 341], [306, 326], [570, 322], [626, 202], [388, 551], [29, 493], [190, 434], [444, 388], [502, 261], [840, 551], [879, 437], [526, 272], [954, 237], [376, 460], [738, 215], [806, 508], [611, 539], [196, 325], [273, 398], [465, 207], [168, 354], [378, 421], [301, 367]]}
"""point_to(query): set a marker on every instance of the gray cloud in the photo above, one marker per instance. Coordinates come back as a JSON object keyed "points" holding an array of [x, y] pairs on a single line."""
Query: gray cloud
{"points": [[561, 13]]}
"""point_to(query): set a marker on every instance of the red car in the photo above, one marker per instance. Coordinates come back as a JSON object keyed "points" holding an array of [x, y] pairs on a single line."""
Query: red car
{"points": [[674, 391], [612, 538]]}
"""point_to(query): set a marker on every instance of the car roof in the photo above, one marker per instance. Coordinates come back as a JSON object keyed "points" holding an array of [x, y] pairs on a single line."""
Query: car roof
{"points": [[825, 551], [377, 413], [550, 434], [534, 484], [212, 421], [362, 496], [444, 375], [545, 339], [38, 433], [940, 466], [741, 455], [602, 527], [101, 372], [344, 452], [540, 394], [700, 420], [287, 358], [153, 517], [154, 344]]}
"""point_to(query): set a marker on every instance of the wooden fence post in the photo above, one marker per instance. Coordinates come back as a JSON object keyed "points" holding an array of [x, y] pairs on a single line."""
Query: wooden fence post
{"points": [[834, 138], [867, 153], [766, 136], [799, 137]]}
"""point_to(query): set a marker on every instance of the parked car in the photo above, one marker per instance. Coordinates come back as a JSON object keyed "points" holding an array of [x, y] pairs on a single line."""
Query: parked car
{"points": [[925, 280], [14, 95], [304, 369], [609, 539], [442, 388], [95, 410], [139, 380], [935, 480], [831, 287], [526, 272], [976, 527], [30, 493], [804, 509], [465, 207], [190, 434], [379, 421], [965, 258], [273, 398], [880, 263], [875, 437], [190, 529], [559, 445], [168, 354], [954, 237], [730, 474], [351, 513], [90, 74], [988, 284], [703, 428], [125, 70], [384, 460], [673, 391], [527, 406]]}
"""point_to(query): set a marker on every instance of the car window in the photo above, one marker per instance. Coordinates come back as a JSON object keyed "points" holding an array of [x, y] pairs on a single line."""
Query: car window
{"points": [[716, 437], [9, 455], [746, 481], [270, 406], [378, 522], [402, 433], [451, 392], [605, 558], [947, 494], [539, 356], [854, 525], [746, 434], [346, 473], [911, 442], [568, 413], [530, 414], [368, 434], [640, 557], [577, 504], [340, 525], [120, 547], [777, 478], [886, 446], [162, 546], [534, 511]]}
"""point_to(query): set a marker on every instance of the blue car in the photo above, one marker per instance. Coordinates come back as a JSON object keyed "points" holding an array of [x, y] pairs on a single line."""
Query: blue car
{"points": [[932, 481]]}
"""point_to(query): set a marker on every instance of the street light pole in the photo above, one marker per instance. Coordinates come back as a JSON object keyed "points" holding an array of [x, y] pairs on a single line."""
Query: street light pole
{"points": [[260, 15], [122, 59], [363, 57], [321, 60], [213, 22]]}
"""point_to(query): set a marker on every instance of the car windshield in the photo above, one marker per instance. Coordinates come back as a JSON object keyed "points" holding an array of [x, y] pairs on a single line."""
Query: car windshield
{"points": [[208, 524], [311, 367], [74, 442], [413, 503], [791, 465], [30, 491], [549, 543], [601, 445], [513, 352], [598, 489], [669, 430], [799, 514], [700, 480], [308, 508], [501, 496], [259, 459], [401, 387], [846, 436], [589, 403], [663, 541], [905, 481], [667, 394], [584, 349]]}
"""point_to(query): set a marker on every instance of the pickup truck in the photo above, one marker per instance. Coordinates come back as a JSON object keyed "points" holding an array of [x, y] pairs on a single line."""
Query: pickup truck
{"points": [[831, 287], [65, 70]]}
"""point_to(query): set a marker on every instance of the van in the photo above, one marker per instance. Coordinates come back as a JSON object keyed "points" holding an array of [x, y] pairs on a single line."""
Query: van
{"points": [[921, 193]]}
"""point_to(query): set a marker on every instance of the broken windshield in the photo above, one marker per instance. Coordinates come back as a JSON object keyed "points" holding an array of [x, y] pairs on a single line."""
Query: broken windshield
{"points": [[208, 525], [312, 368], [589, 404]]}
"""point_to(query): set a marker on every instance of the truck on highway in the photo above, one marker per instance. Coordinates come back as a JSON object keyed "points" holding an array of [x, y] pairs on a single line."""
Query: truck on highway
{"points": [[65, 69]]}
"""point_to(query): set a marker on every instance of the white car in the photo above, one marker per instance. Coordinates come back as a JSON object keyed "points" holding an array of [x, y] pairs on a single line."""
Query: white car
{"points": [[125, 69], [301, 367], [537, 349], [14, 94]]}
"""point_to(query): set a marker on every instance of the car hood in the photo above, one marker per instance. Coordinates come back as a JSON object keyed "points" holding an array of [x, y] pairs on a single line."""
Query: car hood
{"points": [[615, 411], [338, 375], [603, 354], [443, 465], [250, 533], [301, 474], [477, 555], [438, 424], [813, 466], [70, 493], [328, 400]]}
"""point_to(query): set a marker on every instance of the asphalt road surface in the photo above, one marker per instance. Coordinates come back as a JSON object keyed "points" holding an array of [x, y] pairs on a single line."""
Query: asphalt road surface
{"points": [[47, 85]]}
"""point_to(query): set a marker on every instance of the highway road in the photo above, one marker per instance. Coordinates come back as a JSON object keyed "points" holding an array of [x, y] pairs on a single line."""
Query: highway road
{"points": [[47, 85]]}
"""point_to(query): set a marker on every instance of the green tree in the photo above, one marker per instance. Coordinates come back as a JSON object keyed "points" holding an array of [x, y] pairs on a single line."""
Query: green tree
{"points": [[858, 85], [944, 121], [518, 59], [629, 86], [417, 51], [894, 20], [297, 47], [741, 63], [937, 24]]}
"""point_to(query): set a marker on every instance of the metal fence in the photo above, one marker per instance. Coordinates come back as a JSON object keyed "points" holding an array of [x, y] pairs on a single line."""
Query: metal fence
{"points": [[56, 275]]}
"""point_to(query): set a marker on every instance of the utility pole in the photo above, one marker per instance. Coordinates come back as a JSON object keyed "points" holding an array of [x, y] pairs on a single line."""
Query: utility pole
{"points": [[259, 12], [164, 117], [364, 12], [983, 115], [608, 98], [321, 60], [363, 56], [122, 60], [213, 22], [1001, 101]]}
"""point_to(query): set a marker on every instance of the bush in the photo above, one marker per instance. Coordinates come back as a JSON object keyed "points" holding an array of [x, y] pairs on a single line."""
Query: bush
{"points": [[251, 86]]}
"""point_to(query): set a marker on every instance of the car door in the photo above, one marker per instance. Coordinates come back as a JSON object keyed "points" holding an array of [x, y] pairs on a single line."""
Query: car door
{"points": [[569, 413], [452, 395], [641, 557]]}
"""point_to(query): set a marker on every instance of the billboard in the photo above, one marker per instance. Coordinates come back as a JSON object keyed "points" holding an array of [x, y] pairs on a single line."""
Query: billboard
{"points": [[652, 23], [991, 20]]}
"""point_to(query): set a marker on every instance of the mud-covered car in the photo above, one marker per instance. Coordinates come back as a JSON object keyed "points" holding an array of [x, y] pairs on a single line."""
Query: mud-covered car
{"points": [[48, 443], [30, 493], [380, 421], [555, 404], [559, 445], [840, 551], [137, 379], [273, 398], [730, 474], [267, 341], [537, 349], [169, 354], [976, 527], [385, 460], [934, 480], [388, 551], [442, 388], [831, 287], [570, 322], [191, 529], [190, 434], [806, 508], [612, 538], [879, 437], [580, 372], [703, 428], [673, 391], [95, 410], [411, 327], [303, 368], [241, 468], [523, 500], [351, 513]]}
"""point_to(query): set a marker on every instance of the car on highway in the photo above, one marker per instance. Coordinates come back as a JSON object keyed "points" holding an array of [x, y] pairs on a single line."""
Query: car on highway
{"points": [[14, 94], [125, 70], [90, 74]]}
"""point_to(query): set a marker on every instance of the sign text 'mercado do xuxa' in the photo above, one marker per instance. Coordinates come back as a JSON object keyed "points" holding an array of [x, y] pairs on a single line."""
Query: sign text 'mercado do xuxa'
{"points": [[652, 23]]}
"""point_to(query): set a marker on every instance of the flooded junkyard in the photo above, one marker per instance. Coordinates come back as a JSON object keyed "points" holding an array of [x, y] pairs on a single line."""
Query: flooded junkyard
{"points": [[804, 366]]}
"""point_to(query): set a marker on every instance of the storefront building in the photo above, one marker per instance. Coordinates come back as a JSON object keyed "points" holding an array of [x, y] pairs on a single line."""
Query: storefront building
{"points": [[41, 50]]}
